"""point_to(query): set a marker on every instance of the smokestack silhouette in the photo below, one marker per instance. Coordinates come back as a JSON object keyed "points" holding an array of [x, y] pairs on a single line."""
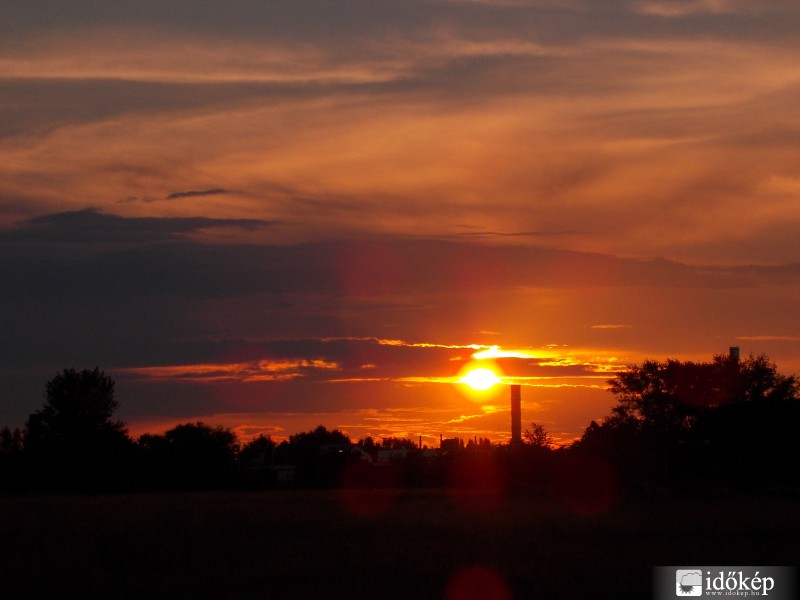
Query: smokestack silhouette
{"points": [[734, 353], [516, 415]]}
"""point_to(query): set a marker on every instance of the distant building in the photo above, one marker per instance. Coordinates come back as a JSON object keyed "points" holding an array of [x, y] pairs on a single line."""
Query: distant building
{"points": [[451, 444]]}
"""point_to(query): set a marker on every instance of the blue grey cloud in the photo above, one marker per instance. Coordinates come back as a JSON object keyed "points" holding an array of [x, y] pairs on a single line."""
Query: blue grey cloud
{"points": [[90, 226]]}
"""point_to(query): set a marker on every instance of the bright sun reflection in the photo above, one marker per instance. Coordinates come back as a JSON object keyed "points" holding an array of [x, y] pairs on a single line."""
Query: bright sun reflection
{"points": [[480, 379]]}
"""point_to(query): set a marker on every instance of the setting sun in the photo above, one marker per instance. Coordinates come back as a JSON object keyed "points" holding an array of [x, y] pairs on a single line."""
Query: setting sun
{"points": [[480, 379]]}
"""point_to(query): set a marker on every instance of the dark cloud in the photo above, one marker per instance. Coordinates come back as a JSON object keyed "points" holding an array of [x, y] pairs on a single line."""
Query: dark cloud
{"points": [[194, 193], [347, 25], [120, 273], [89, 226], [176, 196], [152, 256], [86, 288]]}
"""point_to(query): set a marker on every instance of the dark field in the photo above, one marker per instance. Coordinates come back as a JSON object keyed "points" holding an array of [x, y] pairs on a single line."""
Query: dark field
{"points": [[381, 544]]}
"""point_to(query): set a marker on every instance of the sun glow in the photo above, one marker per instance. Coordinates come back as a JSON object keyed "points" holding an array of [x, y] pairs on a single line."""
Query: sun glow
{"points": [[480, 379]]}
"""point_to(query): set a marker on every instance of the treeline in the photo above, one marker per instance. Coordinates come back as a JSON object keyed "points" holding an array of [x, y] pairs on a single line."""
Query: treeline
{"points": [[677, 425]]}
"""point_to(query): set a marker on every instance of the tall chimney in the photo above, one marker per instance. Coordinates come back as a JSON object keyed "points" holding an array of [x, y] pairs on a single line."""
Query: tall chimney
{"points": [[734, 353], [516, 415]]}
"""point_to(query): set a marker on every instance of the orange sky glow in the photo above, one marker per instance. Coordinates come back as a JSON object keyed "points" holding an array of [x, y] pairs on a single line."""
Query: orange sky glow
{"points": [[275, 215]]}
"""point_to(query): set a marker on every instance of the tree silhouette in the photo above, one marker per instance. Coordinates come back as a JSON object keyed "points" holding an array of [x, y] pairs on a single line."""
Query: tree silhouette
{"points": [[368, 444], [72, 439], [11, 446], [257, 452], [670, 395], [10, 441], [752, 440], [683, 422], [319, 455], [78, 404], [190, 455], [538, 437], [395, 443]]}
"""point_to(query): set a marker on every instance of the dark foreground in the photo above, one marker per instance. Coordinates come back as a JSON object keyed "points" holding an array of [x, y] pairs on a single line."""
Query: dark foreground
{"points": [[376, 544]]}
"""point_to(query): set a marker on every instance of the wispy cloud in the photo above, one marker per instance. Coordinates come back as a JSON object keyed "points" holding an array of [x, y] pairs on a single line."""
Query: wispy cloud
{"points": [[495, 352], [403, 343], [195, 193], [262, 370], [331, 360], [175, 196], [682, 8], [769, 338]]}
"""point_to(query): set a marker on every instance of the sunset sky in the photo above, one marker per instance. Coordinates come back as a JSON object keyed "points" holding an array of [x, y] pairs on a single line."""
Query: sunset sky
{"points": [[276, 214]]}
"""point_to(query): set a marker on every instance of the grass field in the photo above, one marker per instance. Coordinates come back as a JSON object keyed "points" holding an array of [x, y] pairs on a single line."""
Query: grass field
{"points": [[375, 544]]}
